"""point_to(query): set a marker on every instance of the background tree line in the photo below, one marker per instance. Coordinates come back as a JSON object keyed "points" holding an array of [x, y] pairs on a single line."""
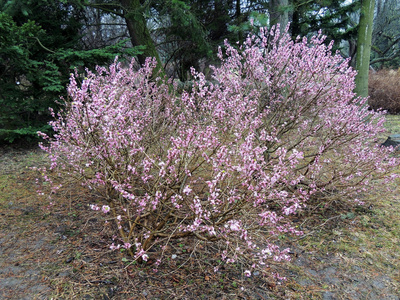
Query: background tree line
{"points": [[43, 41]]}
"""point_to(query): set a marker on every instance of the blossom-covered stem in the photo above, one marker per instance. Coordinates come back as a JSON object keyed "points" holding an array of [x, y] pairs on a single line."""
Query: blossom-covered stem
{"points": [[125, 239]]}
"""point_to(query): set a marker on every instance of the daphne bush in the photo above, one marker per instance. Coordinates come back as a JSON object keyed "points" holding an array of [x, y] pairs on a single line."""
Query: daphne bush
{"points": [[227, 162]]}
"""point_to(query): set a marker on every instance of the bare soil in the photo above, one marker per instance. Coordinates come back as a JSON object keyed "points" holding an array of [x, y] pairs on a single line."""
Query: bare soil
{"points": [[62, 251]]}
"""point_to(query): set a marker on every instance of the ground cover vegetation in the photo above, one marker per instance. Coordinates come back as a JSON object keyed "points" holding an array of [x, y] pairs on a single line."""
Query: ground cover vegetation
{"points": [[228, 162]]}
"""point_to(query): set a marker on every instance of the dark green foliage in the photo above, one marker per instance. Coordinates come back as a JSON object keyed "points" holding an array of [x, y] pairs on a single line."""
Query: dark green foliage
{"points": [[191, 31], [185, 37], [22, 108], [333, 17], [39, 48]]}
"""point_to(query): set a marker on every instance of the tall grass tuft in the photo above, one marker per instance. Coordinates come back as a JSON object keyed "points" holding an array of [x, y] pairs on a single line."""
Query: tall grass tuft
{"points": [[384, 90]]}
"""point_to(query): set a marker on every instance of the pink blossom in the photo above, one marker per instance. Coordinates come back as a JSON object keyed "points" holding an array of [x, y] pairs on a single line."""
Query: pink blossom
{"points": [[113, 247], [232, 158], [187, 190], [94, 207], [105, 209], [127, 245]]}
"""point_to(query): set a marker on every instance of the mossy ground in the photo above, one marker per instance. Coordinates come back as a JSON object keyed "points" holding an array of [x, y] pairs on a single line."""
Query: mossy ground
{"points": [[61, 252], [393, 124]]}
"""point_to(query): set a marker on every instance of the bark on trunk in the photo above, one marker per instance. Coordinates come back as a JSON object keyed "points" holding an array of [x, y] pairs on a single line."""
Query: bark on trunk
{"points": [[138, 31], [278, 13], [364, 47]]}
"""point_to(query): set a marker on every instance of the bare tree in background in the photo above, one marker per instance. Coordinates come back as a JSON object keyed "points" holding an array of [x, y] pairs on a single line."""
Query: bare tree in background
{"points": [[386, 34]]}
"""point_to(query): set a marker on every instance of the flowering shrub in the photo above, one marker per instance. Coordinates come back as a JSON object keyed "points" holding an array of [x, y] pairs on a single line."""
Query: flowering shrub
{"points": [[278, 124]]}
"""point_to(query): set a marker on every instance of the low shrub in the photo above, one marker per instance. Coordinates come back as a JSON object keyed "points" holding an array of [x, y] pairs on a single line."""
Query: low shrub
{"points": [[384, 90], [227, 162]]}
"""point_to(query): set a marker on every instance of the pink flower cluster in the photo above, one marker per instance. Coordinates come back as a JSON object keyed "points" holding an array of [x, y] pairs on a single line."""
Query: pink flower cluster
{"points": [[238, 154]]}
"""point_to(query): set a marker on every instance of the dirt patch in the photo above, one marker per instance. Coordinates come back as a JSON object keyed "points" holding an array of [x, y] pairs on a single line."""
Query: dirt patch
{"points": [[63, 252]]}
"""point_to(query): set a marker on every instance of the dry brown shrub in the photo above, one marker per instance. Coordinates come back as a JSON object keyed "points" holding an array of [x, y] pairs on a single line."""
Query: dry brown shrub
{"points": [[384, 90]]}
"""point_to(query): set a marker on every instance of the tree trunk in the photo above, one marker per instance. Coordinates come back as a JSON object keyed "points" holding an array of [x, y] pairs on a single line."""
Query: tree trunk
{"points": [[278, 13], [364, 46], [352, 52], [138, 31]]}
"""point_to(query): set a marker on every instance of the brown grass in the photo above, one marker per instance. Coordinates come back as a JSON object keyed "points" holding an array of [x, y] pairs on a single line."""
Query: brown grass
{"points": [[384, 90]]}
